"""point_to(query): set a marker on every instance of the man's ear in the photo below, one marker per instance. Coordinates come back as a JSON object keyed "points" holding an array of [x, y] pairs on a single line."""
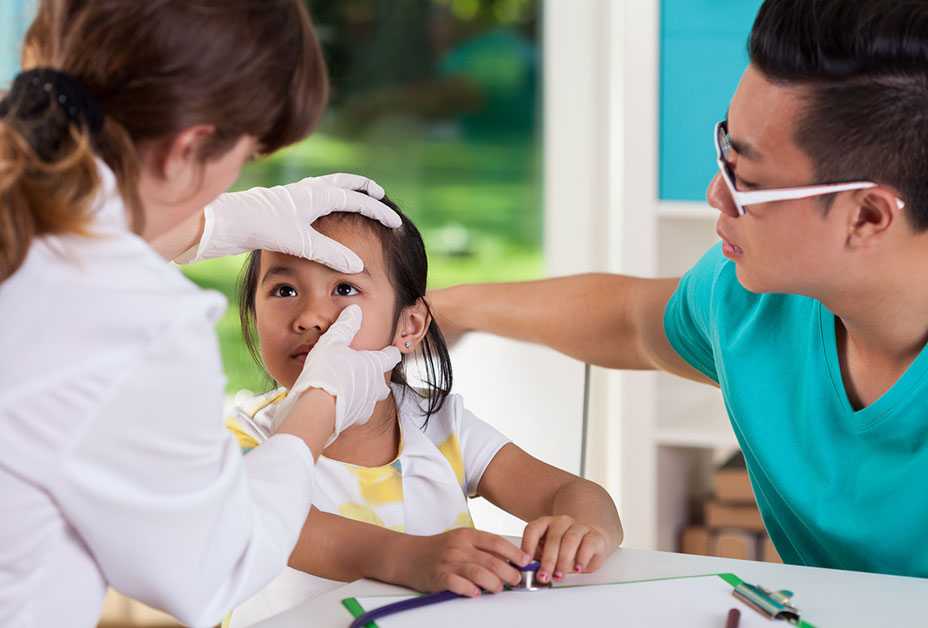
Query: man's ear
{"points": [[412, 326], [875, 211]]}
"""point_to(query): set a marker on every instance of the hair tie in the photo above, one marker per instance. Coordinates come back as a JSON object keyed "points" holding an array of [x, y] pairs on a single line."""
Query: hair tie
{"points": [[36, 91]]}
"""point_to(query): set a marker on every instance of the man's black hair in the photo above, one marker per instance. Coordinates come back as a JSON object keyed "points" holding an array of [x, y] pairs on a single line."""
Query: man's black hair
{"points": [[864, 64]]}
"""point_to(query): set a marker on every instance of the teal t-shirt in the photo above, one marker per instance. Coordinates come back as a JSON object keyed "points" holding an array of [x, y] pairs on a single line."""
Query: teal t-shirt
{"points": [[836, 487]]}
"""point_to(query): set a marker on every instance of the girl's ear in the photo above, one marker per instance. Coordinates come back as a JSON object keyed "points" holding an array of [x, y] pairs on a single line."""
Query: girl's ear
{"points": [[412, 326]]}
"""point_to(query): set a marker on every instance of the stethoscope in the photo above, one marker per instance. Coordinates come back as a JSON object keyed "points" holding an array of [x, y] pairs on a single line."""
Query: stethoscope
{"points": [[528, 582]]}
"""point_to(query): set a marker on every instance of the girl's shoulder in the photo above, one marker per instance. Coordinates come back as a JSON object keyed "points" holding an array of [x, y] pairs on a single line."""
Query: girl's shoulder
{"points": [[412, 403], [249, 416], [252, 404], [460, 437], [436, 436]]}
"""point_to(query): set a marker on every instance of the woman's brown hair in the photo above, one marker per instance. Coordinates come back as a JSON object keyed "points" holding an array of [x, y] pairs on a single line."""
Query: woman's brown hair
{"points": [[246, 67]]}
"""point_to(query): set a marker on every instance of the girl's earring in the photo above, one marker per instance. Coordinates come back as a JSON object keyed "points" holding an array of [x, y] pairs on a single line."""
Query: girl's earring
{"points": [[407, 344]]}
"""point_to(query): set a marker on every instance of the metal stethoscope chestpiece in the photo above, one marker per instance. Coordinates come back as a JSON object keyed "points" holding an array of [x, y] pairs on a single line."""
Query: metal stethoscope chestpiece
{"points": [[529, 580]]}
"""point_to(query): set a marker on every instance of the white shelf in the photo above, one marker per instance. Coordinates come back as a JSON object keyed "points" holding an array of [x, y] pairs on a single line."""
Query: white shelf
{"points": [[691, 434], [704, 436], [691, 415], [681, 210]]}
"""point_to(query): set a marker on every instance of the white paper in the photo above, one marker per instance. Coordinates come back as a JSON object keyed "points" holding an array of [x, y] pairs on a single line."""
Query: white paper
{"points": [[701, 602]]}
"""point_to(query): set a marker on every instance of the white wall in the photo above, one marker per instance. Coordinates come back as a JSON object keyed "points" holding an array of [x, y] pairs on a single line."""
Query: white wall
{"points": [[531, 394]]}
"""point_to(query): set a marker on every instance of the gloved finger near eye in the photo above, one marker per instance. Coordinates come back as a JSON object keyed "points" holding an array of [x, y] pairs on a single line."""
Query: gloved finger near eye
{"points": [[345, 327], [334, 254], [350, 181]]}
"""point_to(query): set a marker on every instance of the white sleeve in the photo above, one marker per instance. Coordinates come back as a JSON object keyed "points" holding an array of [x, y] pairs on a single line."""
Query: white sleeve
{"points": [[159, 492], [480, 442]]}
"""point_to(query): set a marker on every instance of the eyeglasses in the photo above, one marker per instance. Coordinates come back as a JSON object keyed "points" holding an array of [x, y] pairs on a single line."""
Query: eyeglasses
{"points": [[743, 199]]}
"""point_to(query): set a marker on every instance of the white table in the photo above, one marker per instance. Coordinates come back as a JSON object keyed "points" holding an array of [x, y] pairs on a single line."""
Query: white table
{"points": [[826, 597]]}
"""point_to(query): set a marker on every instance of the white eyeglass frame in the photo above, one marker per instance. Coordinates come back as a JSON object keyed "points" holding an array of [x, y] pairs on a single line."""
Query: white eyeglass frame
{"points": [[756, 197]]}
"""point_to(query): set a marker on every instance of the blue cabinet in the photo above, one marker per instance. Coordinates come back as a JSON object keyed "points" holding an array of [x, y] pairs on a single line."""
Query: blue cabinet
{"points": [[703, 53]]}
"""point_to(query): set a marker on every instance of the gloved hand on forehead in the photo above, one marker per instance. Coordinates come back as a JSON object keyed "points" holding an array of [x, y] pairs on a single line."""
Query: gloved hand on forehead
{"points": [[280, 219], [355, 378]]}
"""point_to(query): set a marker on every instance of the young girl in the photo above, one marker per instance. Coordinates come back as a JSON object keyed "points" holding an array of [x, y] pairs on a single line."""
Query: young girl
{"points": [[391, 495]]}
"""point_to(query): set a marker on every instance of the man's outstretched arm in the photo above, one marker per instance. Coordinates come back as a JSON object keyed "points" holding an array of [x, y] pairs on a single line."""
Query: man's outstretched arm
{"points": [[613, 321]]}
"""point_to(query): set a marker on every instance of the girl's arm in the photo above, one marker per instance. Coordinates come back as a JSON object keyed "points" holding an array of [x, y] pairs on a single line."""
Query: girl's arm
{"points": [[342, 549], [574, 525], [462, 560]]}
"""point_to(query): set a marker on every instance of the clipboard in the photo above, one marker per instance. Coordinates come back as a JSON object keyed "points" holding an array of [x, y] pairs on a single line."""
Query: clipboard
{"points": [[693, 601]]}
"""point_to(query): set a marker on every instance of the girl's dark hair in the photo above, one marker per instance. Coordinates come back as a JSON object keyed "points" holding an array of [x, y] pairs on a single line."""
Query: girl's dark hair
{"points": [[155, 68], [865, 67], [407, 267]]}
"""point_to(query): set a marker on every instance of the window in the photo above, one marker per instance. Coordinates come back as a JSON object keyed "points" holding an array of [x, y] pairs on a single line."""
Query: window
{"points": [[438, 101]]}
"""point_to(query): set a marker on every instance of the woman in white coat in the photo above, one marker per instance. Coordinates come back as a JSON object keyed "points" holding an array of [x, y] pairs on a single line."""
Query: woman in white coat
{"points": [[115, 467]]}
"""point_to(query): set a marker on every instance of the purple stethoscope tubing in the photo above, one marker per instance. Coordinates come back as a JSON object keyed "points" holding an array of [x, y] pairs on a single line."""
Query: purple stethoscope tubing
{"points": [[405, 605], [419, 602]]}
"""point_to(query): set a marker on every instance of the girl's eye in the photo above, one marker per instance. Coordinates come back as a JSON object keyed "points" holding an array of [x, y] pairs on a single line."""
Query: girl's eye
{"points": [[283, 291], [346, 290]]}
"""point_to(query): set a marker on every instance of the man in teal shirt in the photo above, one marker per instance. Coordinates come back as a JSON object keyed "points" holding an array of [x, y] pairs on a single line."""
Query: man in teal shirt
{"points": [[811, 316]]}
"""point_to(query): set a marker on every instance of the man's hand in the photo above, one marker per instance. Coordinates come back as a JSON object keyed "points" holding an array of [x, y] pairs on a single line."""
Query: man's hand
{"points": [[443, 307]]}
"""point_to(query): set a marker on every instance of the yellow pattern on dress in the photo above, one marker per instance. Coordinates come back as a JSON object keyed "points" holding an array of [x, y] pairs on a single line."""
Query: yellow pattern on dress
{"points": [[360, 512], [451, 450], [245, 440], [378, 485], [464, 520]]}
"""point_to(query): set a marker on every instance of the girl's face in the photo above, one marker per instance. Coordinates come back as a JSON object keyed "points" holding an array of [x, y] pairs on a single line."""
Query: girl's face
{"points": [[297, 300]]}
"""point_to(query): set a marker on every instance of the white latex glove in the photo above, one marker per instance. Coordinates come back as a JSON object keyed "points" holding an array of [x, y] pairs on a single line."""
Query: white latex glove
{"points": [[280, 219], [355, 378]]}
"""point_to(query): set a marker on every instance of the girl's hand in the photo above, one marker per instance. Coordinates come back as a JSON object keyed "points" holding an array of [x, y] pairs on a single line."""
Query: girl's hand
{"points": [[564, 546], [463, 561]]}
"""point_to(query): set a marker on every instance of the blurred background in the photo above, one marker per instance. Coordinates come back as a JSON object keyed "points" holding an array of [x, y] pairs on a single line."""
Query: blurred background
{"points": [[438, 101]]}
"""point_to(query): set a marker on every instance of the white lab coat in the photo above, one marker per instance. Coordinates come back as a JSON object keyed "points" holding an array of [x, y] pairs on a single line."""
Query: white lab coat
{"points": [[115, 467]]}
